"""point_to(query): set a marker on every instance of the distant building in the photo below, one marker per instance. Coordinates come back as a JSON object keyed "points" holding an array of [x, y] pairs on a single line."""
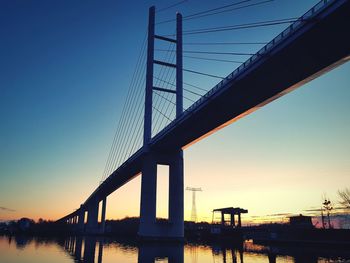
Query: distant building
{"points": [[301, 221]]}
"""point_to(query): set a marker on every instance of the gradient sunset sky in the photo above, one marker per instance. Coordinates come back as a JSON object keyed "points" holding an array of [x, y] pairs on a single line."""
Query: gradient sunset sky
{"points": [[65, 69]]}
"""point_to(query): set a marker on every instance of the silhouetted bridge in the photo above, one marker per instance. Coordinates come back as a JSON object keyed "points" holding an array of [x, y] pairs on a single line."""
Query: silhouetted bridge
{"points": [[314, 44]]}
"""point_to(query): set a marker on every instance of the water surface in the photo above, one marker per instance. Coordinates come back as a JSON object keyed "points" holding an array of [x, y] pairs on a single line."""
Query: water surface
{"points": [[104, 250]]}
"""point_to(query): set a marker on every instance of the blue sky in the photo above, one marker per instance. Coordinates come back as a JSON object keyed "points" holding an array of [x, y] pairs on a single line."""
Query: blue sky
{"points": [[64, 72]]}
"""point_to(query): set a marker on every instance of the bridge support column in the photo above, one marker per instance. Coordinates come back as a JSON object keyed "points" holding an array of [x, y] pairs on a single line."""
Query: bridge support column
{"points": [[103, 216], [89, 249], [176, 195], [92, 220], [149, 229], [78, 247], [81, 219]]}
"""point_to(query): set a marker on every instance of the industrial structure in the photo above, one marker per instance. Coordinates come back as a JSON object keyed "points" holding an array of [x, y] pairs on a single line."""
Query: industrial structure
{"points": [[232, 212], [194, 207]]}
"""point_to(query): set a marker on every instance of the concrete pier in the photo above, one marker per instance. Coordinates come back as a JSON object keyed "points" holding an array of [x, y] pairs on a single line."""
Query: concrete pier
{"points": [[78, 248], [81, 220], [92, 220], [103, 216], [149, 228]]}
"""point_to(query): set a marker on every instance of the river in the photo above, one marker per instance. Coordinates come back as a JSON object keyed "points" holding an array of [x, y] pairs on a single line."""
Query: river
{"points": [[104, 250]]}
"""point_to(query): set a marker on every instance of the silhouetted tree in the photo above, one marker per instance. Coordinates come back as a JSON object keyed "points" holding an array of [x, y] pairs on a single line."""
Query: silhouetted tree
{"points": [[345, 197], [327, 205]]}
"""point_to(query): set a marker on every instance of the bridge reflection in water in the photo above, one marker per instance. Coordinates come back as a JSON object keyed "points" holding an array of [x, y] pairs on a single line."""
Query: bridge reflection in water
{"points": [[92, 249]]}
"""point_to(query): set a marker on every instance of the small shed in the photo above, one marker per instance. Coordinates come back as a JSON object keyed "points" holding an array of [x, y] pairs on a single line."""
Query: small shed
{"points": [[232, 211]]}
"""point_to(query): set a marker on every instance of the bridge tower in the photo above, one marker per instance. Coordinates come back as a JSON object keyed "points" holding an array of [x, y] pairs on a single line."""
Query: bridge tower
{"points": [[149, 228]]}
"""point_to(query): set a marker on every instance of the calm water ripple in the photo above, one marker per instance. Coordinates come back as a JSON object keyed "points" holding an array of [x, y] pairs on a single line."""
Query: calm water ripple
{"points": [[103, 250]]}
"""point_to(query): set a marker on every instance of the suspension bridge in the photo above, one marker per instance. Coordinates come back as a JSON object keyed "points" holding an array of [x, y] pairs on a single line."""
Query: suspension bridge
{"points": [[155, 127]]}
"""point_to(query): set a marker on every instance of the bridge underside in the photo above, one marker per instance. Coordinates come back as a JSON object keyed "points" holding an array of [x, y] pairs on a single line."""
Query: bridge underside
{"points": [[317, 47]]}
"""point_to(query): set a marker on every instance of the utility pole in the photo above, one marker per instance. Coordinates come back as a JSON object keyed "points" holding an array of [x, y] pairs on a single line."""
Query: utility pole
{"points": [[194, 209]]}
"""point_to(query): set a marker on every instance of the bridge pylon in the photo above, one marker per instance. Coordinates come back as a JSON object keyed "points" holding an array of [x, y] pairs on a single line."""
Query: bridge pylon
{"points": [[149, 228]]}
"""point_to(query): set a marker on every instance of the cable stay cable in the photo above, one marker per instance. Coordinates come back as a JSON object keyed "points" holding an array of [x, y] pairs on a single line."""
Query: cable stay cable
{"points": [[171, 6], [214, 59], [216, 8], [161, 113], [135, 136], [164, 123], [239, 27], [138, 142], [189, 99], [186, 83], [160, 95], [165, 81], [119, 125], [126, 135], [192, 92], [194, 86], [137, 124], [168, 106], [244, 24], [164, 74], [130, 137], [163, 97], [129, 113], [111, 153], [209, 12], [163, 108], [167, 57], [204, 74], [164, 104], [229, 10], [127, 104], [136, 108], [134, 120], [224, 43], [212, 52]]}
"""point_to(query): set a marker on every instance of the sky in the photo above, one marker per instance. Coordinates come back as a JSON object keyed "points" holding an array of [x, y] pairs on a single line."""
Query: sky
{"points": [[65, 70]]}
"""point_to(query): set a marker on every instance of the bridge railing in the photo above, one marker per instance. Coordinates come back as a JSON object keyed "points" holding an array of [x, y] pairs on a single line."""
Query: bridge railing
{"points": [[285, 34]]}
